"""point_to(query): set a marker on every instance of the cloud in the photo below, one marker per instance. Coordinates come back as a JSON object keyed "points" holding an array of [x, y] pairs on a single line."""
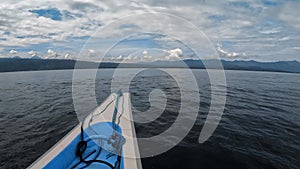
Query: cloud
{"points": [[67, 56], [146, 55], [51, 54], [288, 14], [271, 31], [13, 51], [229, 55], [119, 58], [174, 54], [251, 24], [296, 48], [32, 53], [91, 53], [85, 7]]}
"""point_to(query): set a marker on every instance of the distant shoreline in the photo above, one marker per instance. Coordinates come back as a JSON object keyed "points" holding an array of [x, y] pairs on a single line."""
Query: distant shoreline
{"points": [[19, 65], [152, 68]]}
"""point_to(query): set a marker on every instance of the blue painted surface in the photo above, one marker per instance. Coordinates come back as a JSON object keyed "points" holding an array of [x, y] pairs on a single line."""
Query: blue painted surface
{"points": [[67, 158]]}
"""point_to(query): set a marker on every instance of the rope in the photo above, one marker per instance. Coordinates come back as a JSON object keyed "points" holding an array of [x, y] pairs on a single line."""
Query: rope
{"points": [[119, 94], [82, 145], [93, 115]]}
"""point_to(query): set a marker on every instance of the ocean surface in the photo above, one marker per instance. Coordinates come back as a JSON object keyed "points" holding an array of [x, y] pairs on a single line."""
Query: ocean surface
{"points": [[260, 126]]}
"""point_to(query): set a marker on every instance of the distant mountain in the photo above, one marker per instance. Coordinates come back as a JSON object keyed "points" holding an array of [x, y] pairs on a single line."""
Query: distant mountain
{"points": [[17, 57], [281, 66], [36, 57], [27, 64], [19, 64]]}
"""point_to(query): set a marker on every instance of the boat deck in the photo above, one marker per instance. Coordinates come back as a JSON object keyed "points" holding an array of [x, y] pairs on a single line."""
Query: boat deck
{"points": [[130, 153]]}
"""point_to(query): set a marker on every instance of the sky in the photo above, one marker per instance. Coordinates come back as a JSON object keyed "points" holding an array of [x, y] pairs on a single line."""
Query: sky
{"points": [[262, 30]]}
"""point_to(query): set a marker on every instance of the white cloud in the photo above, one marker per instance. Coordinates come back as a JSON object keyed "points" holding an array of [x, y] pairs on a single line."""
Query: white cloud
{"points": [[32, 53], [92, 51], [145, 53], [174, 54], [229, 55], [51, 54], [146, 56], [296, 48], [249, 23], [119, 58], [67, 56], [13, 51], [271, 31]]}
